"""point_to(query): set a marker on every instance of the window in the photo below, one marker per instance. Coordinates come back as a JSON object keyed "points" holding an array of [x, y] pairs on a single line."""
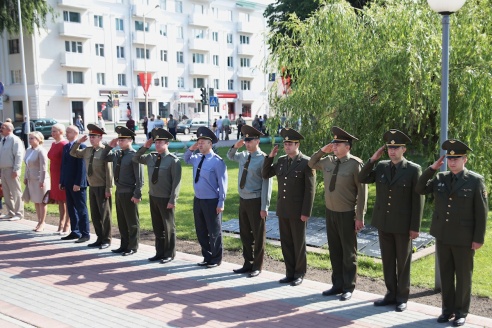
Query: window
{"points": [[119, 24], [198, 9], [121, 79], [98, 21], [230, 84], [244, 62], [139, 83], [141, 52], [163, 4], [198, 83], [101, 78], [215, 60], [178, 6], [215, 36], [164, 82], [198, 33], [156, 82], [15, 76], [120, 52], [215, 12], [70, 16], [244, 39], [73, 46], [163, 30], [244, 17], [245, 85], [179, 31], [198, 58], [75, 77], [139, 26], [164, 55], [100, 49], [230, 61], [216, 84], [181, 83], [18, 111], [14, 46], [229, 37], [179, 57]]}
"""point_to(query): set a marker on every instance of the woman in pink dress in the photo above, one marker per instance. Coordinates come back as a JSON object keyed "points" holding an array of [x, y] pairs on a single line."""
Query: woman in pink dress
{"points": [[55, 155]]}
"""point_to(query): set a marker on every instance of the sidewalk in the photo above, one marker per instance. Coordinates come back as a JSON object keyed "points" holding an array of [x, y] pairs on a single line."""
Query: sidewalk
{"points": [[47, 282]]}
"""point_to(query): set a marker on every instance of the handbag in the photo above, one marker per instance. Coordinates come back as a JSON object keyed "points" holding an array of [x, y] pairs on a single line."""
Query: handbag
{"points": [[47, 199]]}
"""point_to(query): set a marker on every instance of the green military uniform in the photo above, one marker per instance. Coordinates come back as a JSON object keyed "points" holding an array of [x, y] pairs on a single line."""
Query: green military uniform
{"points": [[345, 204], [459, 219], [296, 189], [397, 211], [100, 178]]}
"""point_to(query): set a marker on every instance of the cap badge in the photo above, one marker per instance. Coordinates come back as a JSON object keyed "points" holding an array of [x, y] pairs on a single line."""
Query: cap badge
{"points": [[287, 138], [201, 134], [393, 131], [392, 142], [247, 135], [335, 137], [452, 141], [451, 152]]}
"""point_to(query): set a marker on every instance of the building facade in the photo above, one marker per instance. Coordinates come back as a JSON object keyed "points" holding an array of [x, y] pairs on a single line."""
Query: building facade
{"points": [[94, 49]]}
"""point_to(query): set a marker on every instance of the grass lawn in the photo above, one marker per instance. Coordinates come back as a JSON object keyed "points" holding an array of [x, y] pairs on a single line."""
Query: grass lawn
{"points": [[422, 270]]}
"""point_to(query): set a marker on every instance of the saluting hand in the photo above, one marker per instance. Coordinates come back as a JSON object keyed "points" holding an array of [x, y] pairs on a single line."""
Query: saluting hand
{"points": [[83, 139], [328, 148], [148, 143], [437, 164], [194, 146], [239, 144], [377, 155], [274, 151], [113, 143]]}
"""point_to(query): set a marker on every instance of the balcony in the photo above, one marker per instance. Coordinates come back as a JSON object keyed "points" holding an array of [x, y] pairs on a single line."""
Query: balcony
{"points": [[75, 30], [248, 95], [199, 20], [150, 12], [73, 59], [246, 72], [247, 27], [139, 65], [246, 50], [199, 44], [76, 91], [76, 4], [151, 38], [200, 69]]}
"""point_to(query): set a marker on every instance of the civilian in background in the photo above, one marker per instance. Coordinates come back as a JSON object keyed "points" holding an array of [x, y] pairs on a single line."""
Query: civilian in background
{"points": [[25, 132]]}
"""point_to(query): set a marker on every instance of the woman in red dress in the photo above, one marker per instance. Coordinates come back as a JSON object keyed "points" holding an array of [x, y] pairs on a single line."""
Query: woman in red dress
{"points": [[55, 155]]}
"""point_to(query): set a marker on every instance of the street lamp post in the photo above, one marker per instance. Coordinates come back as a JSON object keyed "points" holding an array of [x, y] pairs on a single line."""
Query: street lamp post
{"points": [[146, 82], [24, 76], [445, 8]]}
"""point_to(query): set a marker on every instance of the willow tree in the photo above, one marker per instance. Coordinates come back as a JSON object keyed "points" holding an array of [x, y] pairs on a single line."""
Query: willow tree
{"points": [[34, 15], [380, 68]]}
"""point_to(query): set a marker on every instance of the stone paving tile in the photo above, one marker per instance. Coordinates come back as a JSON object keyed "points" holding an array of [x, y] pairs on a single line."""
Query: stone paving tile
{"points": [[50, 282]]}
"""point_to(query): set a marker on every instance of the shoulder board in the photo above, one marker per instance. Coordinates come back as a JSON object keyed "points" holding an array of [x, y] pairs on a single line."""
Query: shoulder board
{"points": [[218, 157], [172, 155], [475, 174], [357, 159], [410, 163]]}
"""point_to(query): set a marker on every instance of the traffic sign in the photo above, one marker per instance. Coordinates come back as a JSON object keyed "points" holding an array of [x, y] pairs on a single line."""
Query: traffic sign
{"points": [[214, 101], [2, 88]]}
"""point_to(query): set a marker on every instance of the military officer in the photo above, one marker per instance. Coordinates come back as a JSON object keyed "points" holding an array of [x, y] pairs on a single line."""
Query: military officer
{"points": [[100, 177], [254, 193], [128, 178], [345, 199], [397, 214], [458, 224], [296, 188], [164, 171], [210, 185]]}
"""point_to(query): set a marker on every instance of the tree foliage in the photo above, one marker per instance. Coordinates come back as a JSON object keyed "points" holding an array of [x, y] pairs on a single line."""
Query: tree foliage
{"points": [[380, 70], [34, 15]]}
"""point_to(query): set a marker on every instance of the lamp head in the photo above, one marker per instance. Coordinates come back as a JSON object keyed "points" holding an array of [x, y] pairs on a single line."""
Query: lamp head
{"points": [[446, 7]]}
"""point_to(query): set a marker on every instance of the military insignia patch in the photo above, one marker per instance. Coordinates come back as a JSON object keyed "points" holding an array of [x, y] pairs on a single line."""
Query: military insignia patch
{"points": [[392, 142], [451, 152], [286, 138]]}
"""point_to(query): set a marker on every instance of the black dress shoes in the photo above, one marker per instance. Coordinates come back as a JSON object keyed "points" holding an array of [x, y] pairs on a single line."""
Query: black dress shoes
{"points": [[286, 280], [332, 291], [444, 318], [346, 296], [155, 258], [254, 273], [104, 246], [95, 244], [166, 260], [242, 270], [459, 322], [203, 263], [400, 307], [129, 252], [384, 302], [70, 237], [82, 240], [118, 250], [296, 281], [212, 265]]}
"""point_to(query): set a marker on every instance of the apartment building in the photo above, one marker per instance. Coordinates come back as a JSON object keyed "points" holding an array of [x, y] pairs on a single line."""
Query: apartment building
{"points": [[95, 48]]}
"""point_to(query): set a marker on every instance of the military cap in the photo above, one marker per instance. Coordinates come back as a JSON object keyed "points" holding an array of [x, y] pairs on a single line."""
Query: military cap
{"points": [[340, 135], [396, 138], [290, 135], [94, 130], [250, 133], [455, 148], [124, 132], [205, 133], [161, 134]]}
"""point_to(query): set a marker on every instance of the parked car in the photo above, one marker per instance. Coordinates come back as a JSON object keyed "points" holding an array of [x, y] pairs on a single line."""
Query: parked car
{"points": [[42, 125], [191, 125]]}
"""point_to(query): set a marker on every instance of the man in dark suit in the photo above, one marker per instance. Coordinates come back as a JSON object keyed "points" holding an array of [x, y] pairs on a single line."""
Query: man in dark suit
{"points": [[25, 133], [397, 214], [458, 224], [73, 180], [296, 189]]}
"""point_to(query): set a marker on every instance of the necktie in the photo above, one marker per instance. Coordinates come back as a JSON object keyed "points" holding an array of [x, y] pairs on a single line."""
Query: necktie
{"points": [[242, 183], [393, 170], [89, 170], [453, 180], [3, 141], [198, 169], [333, 180], [155, 173], [118, 166], [289, 163]]}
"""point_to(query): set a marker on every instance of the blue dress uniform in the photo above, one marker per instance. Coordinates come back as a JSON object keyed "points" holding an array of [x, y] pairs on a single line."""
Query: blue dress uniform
{"points": [[458, 221], [210, 176]]}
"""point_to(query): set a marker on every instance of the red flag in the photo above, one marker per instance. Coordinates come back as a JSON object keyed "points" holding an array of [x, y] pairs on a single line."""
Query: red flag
{"points": [[145, 80]]}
